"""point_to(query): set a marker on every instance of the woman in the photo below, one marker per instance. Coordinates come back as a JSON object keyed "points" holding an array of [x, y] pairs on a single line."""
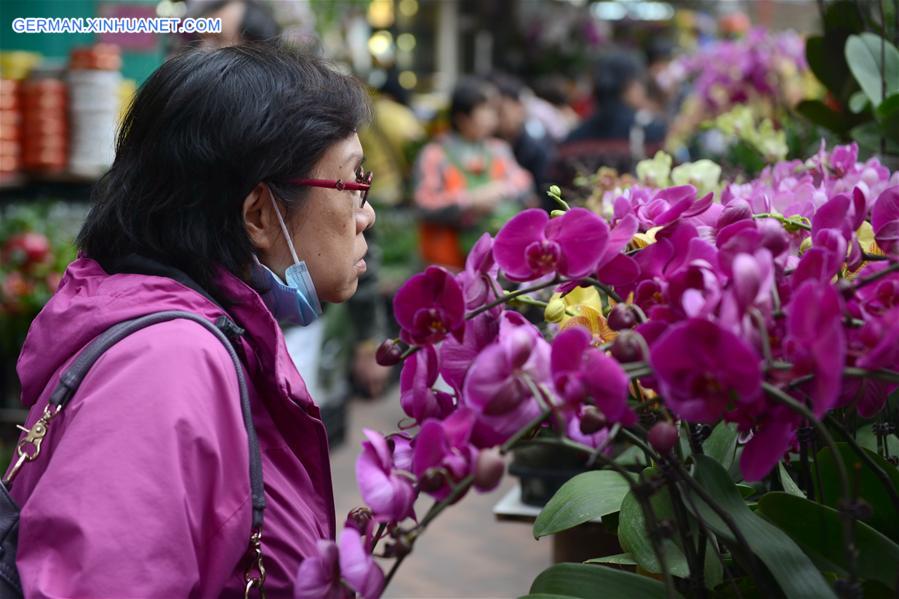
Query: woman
{"points": [[464, 177], [228, 180]]}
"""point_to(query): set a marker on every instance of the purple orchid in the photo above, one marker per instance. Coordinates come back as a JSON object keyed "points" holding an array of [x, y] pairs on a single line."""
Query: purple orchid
{"points": [[771, 439], [580, 371], [388, 493], [497, 385], [816, 342], [479, 276], [442, 455], [417, 397], [341, 570], [885, 221], [456, 357], [532, 245], [703, 370], [429, 306]]}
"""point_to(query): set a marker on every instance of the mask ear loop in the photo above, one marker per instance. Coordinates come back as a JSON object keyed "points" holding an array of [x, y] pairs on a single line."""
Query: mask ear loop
{"points": [[293, 252]]}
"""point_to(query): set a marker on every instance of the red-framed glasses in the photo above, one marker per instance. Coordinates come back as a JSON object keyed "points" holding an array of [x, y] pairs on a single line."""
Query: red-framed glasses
{"points": [[363, 183]]}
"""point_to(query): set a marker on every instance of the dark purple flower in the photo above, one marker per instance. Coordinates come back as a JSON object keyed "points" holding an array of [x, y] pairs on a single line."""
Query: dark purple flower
{"points": [[770, 441], [496, 386], [340, 571], [390, 495], [816, 342], [442, 454], [531, 244], [703, 370], [480, 270], [417, 397], [456, 357], [581, 372], [880, 296], [885, 221], [429, 306], [843, 158]]}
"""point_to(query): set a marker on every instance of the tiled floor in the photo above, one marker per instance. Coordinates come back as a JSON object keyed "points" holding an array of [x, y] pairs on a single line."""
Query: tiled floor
{"points": [[465, 552]]}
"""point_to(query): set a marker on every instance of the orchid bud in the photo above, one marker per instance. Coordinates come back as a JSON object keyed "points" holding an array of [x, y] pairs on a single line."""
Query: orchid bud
{"points": [[622, 316], [735, 211], [389, 353], [592, 420], [489, 469], [627, 347], [662, 436], [556, 213], [555, 310], [432, 480], [359, 518]]}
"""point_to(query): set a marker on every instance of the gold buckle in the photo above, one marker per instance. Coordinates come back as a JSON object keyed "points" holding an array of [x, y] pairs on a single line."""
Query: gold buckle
{"points": [[254, 553], [29, 448]]}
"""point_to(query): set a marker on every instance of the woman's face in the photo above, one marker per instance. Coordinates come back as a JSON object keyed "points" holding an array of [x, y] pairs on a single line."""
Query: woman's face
{"points": [[327, 227]]}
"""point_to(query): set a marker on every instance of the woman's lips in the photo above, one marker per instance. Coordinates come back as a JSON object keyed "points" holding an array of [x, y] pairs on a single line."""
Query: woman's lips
{"points": [[361, 266]]}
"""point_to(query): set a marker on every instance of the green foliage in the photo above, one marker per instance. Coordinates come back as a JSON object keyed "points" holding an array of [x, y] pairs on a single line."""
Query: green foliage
{"points": [[587, 582], [583, 498], [817, 529], [874, 62], [794, 572]]}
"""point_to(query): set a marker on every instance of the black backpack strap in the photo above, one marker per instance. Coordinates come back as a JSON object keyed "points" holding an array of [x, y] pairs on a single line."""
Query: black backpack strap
{"points": [[71, 379]]}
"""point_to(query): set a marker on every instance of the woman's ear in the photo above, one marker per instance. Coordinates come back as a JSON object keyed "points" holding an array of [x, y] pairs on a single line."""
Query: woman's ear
{"points": [[260, 222]]}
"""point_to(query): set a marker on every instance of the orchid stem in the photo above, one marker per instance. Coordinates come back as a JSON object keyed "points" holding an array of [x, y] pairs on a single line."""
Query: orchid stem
{"points": [[510, 296], [878, 471], [845, 512], [605, 288], [859, 283]]}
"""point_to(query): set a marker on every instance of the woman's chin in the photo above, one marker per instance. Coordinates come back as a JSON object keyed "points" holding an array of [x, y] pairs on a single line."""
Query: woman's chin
{"points": [[338, 296]]}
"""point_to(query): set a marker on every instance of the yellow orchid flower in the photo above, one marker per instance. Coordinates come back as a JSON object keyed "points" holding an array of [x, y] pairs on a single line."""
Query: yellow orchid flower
{"points": [[580, 307]]}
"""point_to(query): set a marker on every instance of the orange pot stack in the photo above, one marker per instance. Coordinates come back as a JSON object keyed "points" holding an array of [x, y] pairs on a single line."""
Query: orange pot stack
{"points": [[45, 124], [10, 129]]}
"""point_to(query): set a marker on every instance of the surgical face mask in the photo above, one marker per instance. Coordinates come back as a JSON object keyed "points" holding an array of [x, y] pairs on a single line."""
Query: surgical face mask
{"points": [[294, 302]]}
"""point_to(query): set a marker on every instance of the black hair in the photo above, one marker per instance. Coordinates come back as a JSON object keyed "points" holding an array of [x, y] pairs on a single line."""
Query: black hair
{"points": [[258, 23], [659, 49], [205, 128], [468, 94], [507, 85], [614, 72]]}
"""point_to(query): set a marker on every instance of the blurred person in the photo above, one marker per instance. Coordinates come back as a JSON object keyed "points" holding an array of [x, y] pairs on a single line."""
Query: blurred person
{"points": [[465, 176], [531, 151], [242, 21], [549, 105], [241, 199], [620, 132]]}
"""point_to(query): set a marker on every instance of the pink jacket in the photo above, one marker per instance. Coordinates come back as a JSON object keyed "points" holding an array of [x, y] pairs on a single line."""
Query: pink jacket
{"points": [[142, 488]]}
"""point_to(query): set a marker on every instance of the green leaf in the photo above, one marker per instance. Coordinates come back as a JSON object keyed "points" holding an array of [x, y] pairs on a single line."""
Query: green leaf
{"points": [[858, 101], [820, 114], [884, 518], [825, 59], [746, 490], [888, 116], [586, 496], [787, 482], [868, 138], [721, 445], [818, 530], [588, 582], [863, 54], [619, 559], [791, 568], [866, 438], [634, 539]]}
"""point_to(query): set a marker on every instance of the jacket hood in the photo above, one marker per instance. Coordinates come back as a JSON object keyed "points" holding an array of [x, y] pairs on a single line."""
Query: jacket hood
{"points": [[90, 300]]}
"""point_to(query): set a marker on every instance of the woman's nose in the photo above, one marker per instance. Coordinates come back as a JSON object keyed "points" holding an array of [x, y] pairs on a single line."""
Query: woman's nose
{"points": [[367, 219]]}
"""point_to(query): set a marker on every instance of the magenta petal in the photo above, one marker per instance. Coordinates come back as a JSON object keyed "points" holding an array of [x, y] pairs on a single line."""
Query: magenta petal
{"points": [[620, 270], [831, 215], [582, 236], [480, 258], [510, 244], [358, 567], [885, 221], [765, 449], [700, 205], [619, 237], [607, 385], [567, 348], [319, 575], [430, 447]]}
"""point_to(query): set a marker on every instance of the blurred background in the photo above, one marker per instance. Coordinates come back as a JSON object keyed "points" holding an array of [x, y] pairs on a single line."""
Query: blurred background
{"points": [[479, 106]]}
